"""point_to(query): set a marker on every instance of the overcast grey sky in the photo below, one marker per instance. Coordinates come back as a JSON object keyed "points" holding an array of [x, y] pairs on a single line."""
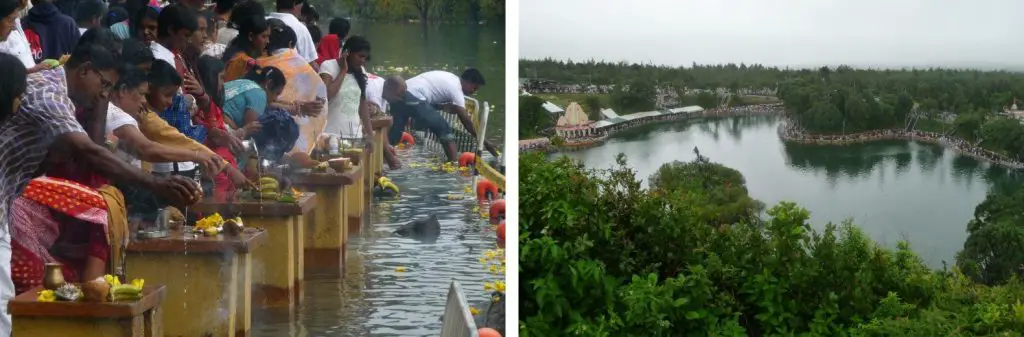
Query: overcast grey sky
{"points": [[887, 33]]}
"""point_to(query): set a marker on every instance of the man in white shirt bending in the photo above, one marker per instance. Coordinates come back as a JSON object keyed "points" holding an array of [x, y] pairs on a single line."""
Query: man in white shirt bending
{"points": [[286, 12], [447, 92]]}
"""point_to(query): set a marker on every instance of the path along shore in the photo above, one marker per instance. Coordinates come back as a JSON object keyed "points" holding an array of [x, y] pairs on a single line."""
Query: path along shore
{"points": [[789, 132]]}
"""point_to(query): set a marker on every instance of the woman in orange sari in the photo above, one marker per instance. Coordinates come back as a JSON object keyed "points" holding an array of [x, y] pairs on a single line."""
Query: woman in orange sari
{"points": [[58, 221], [304, 94], [251, 42]]}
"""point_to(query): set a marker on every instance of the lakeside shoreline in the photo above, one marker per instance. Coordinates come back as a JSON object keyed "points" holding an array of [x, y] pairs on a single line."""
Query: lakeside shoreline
{"points": [[788, 132], [545, 145]]}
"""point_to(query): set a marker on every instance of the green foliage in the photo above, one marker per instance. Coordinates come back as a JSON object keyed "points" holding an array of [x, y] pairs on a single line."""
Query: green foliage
{"points": [[721, 188], [638, 96], [532, 117], [602, 256], [1004, 135], [994, 249], [825, 100], [592, 105], [707, 100]]}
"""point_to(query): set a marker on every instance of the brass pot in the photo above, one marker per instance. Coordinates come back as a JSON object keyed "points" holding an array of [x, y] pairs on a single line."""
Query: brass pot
{"points": [[53, 278]]}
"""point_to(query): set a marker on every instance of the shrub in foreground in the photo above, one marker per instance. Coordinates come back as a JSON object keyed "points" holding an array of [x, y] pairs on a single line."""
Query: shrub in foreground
{"points": [[601, 256]]}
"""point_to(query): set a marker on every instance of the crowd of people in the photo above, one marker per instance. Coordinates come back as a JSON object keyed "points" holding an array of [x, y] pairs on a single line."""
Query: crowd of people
{"points": [[792, 132], [536, 144], [111, 111]]}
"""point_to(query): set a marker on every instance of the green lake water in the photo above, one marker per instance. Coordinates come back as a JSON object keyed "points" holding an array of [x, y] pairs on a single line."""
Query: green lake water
{"points": [[893, 190]]}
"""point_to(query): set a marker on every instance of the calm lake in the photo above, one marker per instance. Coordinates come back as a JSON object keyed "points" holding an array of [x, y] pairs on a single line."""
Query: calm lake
{"points": [[413, 48], [893, 190]]}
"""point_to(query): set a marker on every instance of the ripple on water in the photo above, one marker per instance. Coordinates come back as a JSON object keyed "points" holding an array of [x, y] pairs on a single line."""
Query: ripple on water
{"points": [[376, 299]]}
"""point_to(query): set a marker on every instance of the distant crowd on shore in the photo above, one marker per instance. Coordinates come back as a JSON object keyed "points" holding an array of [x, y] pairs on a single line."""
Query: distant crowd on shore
{"points": [[789, 131]]}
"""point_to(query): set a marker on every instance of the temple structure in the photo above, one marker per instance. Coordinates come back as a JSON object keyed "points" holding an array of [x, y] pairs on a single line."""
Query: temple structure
{"points": [[576, 128]]}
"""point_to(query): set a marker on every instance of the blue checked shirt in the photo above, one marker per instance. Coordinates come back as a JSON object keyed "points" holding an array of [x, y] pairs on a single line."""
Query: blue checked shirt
{"points": [[177, 115]]}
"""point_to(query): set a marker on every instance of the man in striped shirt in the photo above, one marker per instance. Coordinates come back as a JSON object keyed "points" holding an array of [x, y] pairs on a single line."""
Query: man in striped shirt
{"points": [[45, 125]]}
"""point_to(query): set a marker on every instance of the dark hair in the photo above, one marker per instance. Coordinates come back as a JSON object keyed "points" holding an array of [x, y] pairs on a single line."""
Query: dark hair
{"points": [[473, 76], [145, 13], [309, 12], [339, 27], [14, 83], [89, 10], [209, 70], [131, 78], [272, 75], [98, 46], [357, 44], [211, 23], [287, 4], [7, 7], [249, 19], [176, 17], [223, 6], [135, 53], [281, 36], [115, 15], [134, 8], [162, 75], [315, 34], [244, 12]]}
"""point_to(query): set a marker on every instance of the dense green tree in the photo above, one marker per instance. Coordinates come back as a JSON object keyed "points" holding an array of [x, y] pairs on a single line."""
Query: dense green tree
{"points": [[707, 100], [533, 119], [722, 188], [638, 96], [994, 249], [592, 104]]}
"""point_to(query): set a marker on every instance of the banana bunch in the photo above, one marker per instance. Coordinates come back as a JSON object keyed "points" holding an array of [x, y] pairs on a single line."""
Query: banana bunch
{"points": [[268, 188], [125, 292]]}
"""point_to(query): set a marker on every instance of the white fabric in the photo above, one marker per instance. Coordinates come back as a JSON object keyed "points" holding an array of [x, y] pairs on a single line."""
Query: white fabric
{"points": [[375, 91], [17, 44], [162, 53], [305, 44], [343, 106], [225, 35], [7, 292], [117, 118], [437, 87], [82, 30]]}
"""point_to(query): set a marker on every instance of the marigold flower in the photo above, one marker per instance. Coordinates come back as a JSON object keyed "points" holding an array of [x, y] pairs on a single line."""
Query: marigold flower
{"points": [[47, 296]]}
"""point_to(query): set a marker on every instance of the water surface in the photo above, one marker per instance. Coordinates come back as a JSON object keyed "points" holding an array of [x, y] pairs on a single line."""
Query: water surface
{"points": [[376, 299], [892, 189], [415, 48]]}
